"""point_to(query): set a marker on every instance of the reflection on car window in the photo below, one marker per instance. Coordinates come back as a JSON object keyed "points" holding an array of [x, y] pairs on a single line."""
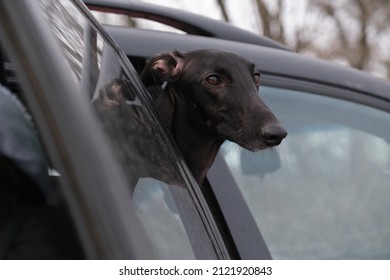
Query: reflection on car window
{"points": [[74, 35], [151, 197], [164, 204], [324, 192]]}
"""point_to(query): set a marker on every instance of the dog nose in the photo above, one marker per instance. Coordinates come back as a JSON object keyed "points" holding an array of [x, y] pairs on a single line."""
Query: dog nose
{"points": [[273, 134]]}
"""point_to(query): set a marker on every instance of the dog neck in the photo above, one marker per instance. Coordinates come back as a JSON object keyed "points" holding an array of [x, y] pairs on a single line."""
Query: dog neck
{"points": [[199, 155], [198, 147], [199, 151]]}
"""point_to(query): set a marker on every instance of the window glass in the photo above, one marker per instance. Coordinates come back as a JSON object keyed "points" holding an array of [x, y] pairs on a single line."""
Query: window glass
{"points": [[164, 204], [324, 193]]}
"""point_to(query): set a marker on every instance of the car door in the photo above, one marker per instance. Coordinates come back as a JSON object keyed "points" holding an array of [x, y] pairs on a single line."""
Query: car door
{"points": [[323, 193]]}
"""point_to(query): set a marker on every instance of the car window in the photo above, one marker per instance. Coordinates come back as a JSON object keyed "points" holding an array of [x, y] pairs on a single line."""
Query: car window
{"points": [[160, 190], [324, 193]]}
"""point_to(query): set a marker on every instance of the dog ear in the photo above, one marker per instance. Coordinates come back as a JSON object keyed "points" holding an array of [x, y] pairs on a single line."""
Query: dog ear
{"points": [[159, 72], [165, 67]]}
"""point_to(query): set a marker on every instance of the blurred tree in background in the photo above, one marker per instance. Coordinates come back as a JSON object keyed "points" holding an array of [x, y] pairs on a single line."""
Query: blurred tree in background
{"points": [[354, 32]]}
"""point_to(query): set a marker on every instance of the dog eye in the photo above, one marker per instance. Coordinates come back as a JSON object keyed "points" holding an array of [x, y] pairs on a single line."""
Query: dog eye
{"points": [[213, 80], [256, 78]]}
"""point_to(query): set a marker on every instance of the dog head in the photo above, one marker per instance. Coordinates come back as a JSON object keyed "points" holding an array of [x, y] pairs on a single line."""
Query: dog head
{"points": [[214, 92]]}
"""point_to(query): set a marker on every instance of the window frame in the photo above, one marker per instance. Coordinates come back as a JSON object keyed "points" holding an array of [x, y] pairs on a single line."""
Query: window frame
{"points": [[197, 196], [326, 89]]}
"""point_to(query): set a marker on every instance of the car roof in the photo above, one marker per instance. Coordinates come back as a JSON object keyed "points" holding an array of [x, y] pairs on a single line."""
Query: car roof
{"points": [[188, 22], [146, 43]]}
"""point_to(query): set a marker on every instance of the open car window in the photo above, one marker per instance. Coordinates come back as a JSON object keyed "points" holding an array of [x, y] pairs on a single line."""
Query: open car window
{"points": [[324, 193], [161, 192]]}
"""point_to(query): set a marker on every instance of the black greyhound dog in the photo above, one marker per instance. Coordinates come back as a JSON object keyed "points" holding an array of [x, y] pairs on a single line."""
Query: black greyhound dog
{"points": [[206, 97]]}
